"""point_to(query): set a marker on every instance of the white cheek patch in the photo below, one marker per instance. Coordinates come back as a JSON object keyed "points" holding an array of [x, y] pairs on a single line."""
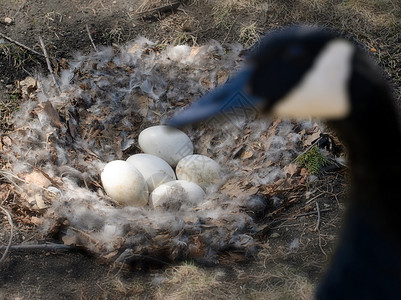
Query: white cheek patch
{"points": [[322, 93]]}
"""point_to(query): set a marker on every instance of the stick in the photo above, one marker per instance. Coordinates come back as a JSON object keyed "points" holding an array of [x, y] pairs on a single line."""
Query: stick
{"points": [[229, 30], [7, 248], [161, 9], [21, 45], [298, 215], [318, 217], [310, 200], [90, 37], [49, 65], [320, 244], [49, 247]]}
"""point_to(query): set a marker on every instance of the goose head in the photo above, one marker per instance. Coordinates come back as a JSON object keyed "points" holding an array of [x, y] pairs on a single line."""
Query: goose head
{"points": [[309, 72], [297, 72], [304, 72]]}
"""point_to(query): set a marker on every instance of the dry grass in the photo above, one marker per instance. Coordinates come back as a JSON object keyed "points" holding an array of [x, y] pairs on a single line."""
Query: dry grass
{"points": [[281, 282], [191, 282], [376, 24], [275, 282], [229, 15], [249, 35], [7, 107]]}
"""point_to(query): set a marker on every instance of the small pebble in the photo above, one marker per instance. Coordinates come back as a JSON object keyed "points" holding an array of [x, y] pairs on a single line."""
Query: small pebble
{"points": [[8, 20]]}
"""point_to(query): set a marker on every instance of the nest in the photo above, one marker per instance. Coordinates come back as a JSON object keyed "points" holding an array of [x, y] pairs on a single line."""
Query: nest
{"points": [[64, 135]]}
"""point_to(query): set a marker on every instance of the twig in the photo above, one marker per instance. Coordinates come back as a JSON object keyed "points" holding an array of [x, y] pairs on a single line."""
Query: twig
{"points": [[274, 222], [49, 65], [49, 247], [21, 45], [162, 9], [8, 194], [90, 37], [7, 248], [318, 217], [320, 244], [310, 200], [229, 30]]}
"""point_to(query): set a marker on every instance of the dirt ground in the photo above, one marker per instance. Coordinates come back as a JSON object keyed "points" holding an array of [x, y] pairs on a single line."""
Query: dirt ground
{"points": [[293, 249]]}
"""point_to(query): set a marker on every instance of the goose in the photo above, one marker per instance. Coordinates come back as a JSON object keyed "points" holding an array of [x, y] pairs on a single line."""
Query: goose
{"points": [[309, 72]]}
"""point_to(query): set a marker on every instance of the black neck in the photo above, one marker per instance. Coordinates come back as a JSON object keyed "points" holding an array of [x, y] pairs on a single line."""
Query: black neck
{"points": [[373, 137], [367, 262]]}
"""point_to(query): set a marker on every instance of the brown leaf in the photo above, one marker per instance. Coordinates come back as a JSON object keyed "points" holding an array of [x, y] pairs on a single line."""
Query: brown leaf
{"points": [[311, 138], [28, 85], [246, 154], [40, 203], [232, 188], [143, 103], [51, 112], [69, 240], [252, 190], [196, 249], [7, 141], [205, 142], [110, 255], [37, 178], [222, 76], [36, 221], [237, 257], [271, 133], [194, 51], [291, 169]]}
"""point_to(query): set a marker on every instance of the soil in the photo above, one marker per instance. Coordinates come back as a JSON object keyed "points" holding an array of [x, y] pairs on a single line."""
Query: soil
{"points": [[78, 275]]}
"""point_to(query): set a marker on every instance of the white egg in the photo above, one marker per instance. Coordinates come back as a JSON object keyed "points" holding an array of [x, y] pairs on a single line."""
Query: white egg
{"points": [[166, 142], [155, 170], [124, 183], [199, 169], [175, 195]]}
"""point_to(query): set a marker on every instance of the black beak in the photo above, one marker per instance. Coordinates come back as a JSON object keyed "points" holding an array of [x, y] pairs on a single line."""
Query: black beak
{"points": [[230, 97]]}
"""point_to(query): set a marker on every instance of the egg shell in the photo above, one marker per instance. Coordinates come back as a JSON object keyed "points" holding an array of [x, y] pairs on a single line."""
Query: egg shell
{"points": [[168, 143], [174, 195], [199, 169], [155, 170], [124, 183]]}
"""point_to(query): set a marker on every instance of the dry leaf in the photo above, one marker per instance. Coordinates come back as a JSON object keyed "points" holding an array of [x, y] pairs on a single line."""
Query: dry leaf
{"points": [[7, 141], [51, 112], [40, 203], [36, 221], [28, 85], [246, 154], [291, 169], [222, 76], [232, 188], [313, 137], [252, 190], [37, 178], [110, 255], [143, 102], [69, 240], [194, 51], [237, 257], [204, 143]]}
